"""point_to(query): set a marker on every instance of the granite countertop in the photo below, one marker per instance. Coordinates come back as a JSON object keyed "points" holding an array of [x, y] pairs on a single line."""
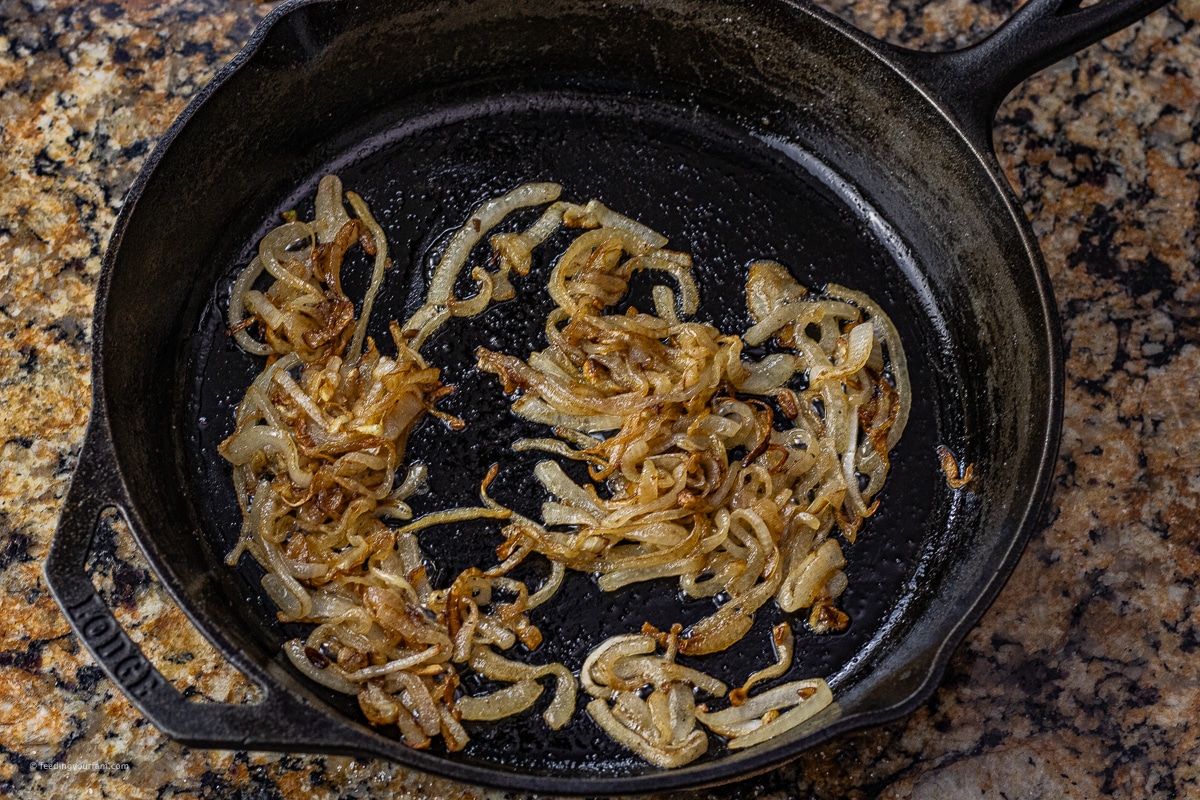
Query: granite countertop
{"points": [[1083, 679]]}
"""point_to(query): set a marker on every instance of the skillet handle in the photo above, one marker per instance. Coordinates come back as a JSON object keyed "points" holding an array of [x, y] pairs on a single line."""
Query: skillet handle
{"points": [[280, 721], [972, 83]]}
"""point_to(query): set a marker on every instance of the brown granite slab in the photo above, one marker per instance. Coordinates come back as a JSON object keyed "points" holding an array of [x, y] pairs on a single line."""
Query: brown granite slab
{"points": [[1082, 681]]}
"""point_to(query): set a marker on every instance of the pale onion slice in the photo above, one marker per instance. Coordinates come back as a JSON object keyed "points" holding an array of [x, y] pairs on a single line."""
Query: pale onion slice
{"points": [[753, 723], [768, 376], [645, 670], [512, 699], [490, 664], [740, 720], [399, 665], [330, 214], [556, 482], [550, 587], [859, 343], [452, 515], [679, 267], [379, 707], [596, 674], [261, 306], [452, 730], [536, 410], [381, 263], [769, 285], [664, 303], [331, 676], [515, 249], [420, 702], [279, 255], [237, 308], [886, 331]]}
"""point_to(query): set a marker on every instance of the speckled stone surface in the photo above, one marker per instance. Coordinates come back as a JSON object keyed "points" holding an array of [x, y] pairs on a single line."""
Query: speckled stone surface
{"points": [[1082, 681]]}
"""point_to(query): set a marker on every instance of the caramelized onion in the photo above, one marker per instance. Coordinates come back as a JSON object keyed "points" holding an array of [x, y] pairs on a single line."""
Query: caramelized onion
{"points": [[657, 406], [318, 441], [733, 474]]}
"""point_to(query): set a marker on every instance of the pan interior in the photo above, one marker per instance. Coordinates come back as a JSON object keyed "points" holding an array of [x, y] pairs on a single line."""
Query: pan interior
{"points": [[716, 189]]}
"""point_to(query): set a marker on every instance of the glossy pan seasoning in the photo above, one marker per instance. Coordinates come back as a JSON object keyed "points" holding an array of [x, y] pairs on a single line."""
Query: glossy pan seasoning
{"points": [[740, 131]]}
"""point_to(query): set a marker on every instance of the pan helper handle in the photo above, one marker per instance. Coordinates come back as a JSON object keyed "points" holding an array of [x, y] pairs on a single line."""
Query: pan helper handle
{"points": [[281, 721]]}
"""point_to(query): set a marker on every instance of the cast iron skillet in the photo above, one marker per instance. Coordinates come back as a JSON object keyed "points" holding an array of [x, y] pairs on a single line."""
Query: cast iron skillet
{"points": [[739, 129]]}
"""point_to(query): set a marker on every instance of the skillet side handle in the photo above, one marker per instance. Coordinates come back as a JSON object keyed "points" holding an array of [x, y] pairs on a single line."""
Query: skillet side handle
{"points": [[279, 722], [972, 83]]}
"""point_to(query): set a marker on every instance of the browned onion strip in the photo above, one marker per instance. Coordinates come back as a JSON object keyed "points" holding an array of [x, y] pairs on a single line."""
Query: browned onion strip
{"points": [[330, 213], [950, 469], [597, 215], [452, 730], [516, 249], [237, 309], [887, 333], [331, 675], [785, 644], [807, 582], [557, 447]]}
